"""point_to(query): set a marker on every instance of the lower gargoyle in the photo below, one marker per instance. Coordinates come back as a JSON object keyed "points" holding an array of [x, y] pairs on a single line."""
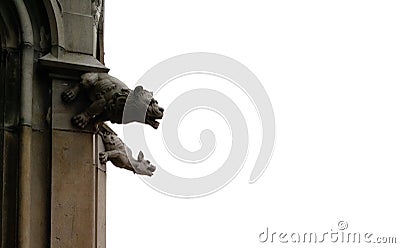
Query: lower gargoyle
{"points": [[121, 155]]}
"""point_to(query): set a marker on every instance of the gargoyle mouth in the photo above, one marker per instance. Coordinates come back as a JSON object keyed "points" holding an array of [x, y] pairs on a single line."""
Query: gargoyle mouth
{"points": [[153, 113], [152, 121], [149, 170]]}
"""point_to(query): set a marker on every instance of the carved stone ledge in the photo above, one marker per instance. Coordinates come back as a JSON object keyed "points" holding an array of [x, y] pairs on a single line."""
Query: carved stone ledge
{"points": [[71, 65]]}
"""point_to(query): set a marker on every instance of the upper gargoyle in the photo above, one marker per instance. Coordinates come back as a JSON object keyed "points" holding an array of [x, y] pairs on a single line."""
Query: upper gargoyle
{"points": [[109, 97]]}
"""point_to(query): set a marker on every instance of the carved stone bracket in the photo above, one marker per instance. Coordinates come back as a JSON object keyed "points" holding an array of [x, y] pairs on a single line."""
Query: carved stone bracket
{"points": [[71, 65]]}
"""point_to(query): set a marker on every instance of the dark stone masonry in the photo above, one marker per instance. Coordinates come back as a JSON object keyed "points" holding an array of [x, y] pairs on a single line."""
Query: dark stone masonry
{"points": [[52, 183]]}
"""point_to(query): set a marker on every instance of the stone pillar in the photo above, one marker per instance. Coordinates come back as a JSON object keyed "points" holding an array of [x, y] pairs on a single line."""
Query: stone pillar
{"points": [[52, 186], [77, 178]]}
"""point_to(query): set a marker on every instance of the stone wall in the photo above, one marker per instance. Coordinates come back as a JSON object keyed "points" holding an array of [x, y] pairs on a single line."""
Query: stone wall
{"points": [[51, 182]]}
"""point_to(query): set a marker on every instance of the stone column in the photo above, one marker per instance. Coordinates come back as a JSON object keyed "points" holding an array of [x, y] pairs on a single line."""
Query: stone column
{"points": [[52, 186], [78, 180]]}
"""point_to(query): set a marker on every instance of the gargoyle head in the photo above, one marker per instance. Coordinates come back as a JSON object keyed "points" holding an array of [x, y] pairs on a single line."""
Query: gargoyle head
{"points": [[142, 107], [142, 166]]}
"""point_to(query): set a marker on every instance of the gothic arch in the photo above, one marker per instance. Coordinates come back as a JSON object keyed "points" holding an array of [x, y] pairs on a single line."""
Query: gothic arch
{"points": [[28, 30], [54, 13], [36, 60]]}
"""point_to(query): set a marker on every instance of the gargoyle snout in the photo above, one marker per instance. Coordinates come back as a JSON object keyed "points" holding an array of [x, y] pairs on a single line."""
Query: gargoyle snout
{"points": [[152, 168]]}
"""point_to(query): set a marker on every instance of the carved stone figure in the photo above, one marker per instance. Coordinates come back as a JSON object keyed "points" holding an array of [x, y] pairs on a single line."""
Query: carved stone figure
{"points": [[108, 97], [97, 11], [120, 155]]}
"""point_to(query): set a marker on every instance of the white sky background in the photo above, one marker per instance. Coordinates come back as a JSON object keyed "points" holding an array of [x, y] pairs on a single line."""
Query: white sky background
{"points": [[331, 70]]}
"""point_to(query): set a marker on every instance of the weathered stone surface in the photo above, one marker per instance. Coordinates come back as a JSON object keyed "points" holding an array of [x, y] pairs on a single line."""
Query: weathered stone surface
{"points": [[40, 201], [79, 30], [101, 196], [73, 63], [10, 65], [83, 7], [78, 204], [52, 186], [73, 201], [9, 194], [61, 112], [101, 210]]}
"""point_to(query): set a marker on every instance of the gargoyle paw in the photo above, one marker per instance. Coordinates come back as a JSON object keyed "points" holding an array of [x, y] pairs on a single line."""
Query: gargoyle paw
{"points": [[69, 95], [81, 120], [103, 156]]}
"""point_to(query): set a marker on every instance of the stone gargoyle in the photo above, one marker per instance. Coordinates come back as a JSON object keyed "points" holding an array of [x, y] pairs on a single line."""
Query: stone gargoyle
{"points": [[109, 98], [120, 154]]}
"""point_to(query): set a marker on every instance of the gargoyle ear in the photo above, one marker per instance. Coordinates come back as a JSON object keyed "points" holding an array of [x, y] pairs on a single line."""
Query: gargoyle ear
{"points": [[140, 156], [137, 90]]}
